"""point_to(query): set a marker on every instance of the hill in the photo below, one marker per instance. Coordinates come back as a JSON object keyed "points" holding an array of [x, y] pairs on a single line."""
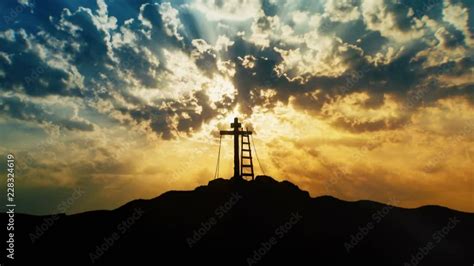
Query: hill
{"points": [[233, 222]]}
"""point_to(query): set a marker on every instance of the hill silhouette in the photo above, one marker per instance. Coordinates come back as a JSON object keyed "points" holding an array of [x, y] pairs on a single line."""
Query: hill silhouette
{"points": [[235, 222]]}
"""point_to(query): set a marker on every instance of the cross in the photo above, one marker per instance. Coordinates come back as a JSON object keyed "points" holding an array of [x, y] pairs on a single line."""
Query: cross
{"points": [[236, 132]]}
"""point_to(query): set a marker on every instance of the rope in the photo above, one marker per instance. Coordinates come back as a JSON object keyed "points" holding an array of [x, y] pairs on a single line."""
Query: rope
{"points": [[216, 174], [256, 155]]}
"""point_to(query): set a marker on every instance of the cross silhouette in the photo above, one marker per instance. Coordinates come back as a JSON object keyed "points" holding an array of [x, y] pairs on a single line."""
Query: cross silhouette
{"points": [[236, 132]]}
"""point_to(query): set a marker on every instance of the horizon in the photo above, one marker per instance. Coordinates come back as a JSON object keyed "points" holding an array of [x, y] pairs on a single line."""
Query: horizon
{"points": [[123, 100], [78, 192]]}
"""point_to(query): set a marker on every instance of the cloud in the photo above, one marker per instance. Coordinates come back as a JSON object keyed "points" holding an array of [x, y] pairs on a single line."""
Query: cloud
{"points": [[204, 56], [234, 10], [63, 116], [449, 48], [26, 2], [342, 11], [392, 19], [36, 66], [351, 113], [321, 56], [133, 58], [458, 16], [169, 16], [356, 164]]}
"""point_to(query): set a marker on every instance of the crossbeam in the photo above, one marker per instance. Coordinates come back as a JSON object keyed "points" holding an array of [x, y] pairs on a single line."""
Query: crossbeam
{"points": [[230, 132], [227, 132]]}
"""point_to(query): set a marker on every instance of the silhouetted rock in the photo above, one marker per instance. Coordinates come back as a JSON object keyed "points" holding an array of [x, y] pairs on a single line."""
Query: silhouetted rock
{"points": [[235, 222]]}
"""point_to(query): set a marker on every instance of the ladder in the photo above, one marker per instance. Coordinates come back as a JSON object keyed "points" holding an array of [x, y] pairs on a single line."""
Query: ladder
{"points": [[246, 157]]}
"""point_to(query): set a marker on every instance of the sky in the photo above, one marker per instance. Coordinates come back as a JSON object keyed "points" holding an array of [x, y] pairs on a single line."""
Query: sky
{"points": [[124, 99]]}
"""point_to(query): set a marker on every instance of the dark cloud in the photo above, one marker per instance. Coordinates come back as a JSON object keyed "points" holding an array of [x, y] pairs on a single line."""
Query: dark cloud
{"points": [[82, 49], [204, 56], [355, 126], [450, 39], [189, 113], [269, 8], [27, 72], [17, 108]]}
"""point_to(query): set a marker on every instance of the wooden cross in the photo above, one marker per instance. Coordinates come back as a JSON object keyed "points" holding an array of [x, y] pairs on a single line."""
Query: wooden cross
{"points": [[236, 132]]}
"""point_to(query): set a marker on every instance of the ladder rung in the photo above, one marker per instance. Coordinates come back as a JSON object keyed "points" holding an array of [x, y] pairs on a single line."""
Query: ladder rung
{"points": [[245, 149], [247, 158], [247, 174], [247, 165]]}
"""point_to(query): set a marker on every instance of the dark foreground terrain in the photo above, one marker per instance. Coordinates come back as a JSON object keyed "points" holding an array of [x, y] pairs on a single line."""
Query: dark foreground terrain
{"points": [[263, 222]]}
